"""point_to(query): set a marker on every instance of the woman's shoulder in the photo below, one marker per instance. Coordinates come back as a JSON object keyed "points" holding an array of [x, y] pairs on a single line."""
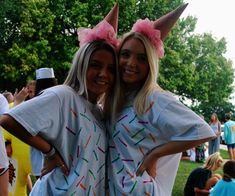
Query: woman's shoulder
{"points": [[60, 90], [162, 97], [201, 170]]}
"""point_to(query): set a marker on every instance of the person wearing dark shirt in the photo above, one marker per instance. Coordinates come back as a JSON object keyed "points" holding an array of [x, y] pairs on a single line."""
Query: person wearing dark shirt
{"points": [[201, 179]]}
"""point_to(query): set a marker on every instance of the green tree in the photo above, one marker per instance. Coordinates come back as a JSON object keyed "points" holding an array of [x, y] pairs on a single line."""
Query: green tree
{"points": [[215, 76], [42, 33]]}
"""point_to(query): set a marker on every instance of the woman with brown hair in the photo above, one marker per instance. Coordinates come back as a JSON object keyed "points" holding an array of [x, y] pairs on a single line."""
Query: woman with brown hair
{"points": [[215, 124]]}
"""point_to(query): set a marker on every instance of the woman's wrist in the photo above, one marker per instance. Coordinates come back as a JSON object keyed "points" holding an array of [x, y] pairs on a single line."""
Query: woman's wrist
{"points": [[50, 153]]}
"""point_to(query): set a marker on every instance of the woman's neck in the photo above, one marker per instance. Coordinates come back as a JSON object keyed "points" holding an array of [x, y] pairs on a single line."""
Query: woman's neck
{"points": [[93, 98]]}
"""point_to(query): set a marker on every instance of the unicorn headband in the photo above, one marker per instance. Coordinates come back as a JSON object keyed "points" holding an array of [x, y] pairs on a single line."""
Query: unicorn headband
{"points": [[105, 30], [156, 31]]}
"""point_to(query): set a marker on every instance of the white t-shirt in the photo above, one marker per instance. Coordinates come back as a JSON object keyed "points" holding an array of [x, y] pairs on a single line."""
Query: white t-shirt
{"points": [[66, 120], [3, 157], [165, 119]]}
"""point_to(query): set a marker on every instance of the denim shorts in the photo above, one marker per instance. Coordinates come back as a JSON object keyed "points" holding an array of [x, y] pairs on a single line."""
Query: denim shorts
{"points": [[231, 146]]}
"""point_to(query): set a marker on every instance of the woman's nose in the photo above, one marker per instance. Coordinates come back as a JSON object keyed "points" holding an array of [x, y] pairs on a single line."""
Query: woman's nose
{"points": [[132, 61], [103, 72]]}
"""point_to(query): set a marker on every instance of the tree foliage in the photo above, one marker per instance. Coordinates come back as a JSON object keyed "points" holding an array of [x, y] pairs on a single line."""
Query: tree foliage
{"points": [[42, 33]]}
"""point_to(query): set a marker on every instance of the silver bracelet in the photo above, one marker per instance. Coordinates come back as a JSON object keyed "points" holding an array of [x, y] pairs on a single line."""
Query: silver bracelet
{"points": [[50, 153]]}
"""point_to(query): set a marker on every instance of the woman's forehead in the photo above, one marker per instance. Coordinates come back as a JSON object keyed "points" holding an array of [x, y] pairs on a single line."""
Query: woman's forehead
{"points": [[133, 44]]}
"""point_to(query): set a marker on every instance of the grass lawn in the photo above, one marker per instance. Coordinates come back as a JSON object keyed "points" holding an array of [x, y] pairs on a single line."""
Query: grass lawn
{"points": [[185, 169]]}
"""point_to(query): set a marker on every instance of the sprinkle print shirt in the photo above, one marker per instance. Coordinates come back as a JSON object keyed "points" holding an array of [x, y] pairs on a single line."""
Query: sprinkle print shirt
{"points": [[165, 119], [73, 126]]}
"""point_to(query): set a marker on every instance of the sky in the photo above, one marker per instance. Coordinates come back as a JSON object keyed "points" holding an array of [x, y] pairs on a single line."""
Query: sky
{"points": [[216, 17]]}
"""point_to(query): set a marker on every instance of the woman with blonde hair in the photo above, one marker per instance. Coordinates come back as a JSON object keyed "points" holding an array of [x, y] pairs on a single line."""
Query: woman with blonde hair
{"points": [[214, 144], [201, 180], [152, 127]]}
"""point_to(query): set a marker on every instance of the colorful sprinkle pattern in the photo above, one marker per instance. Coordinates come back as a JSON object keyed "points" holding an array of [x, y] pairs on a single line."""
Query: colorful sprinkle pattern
{"points": [[134, 136], [80, 139]]}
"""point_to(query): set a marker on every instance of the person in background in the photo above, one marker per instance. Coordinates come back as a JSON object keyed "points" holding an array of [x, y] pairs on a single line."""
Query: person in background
{"points": [[66, 122], [18, 155], [4, 163], [214, 144], [9, 96], [201, 180], [225, 186], [31, 87], [45, 78], [200, 150], [152, 127], [19, 166], [229, 135]]}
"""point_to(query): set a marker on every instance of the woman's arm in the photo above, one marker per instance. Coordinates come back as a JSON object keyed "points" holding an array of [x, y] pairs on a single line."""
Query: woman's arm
{"points": [[4, 179], [201, 192], [172, 147], [16, 129]]}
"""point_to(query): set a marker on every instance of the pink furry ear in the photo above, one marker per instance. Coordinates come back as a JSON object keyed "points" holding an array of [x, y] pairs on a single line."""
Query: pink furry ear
{"points": [[105, 30], [146, 28], [165, 23], [156, 31]]}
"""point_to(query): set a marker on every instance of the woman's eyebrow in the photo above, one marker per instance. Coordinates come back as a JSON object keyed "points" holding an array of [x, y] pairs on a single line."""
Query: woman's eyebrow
{"points": [[95, 61]]}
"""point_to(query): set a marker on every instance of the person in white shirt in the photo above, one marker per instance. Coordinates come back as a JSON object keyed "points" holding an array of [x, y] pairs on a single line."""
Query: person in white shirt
{"points": [[3, 156]]}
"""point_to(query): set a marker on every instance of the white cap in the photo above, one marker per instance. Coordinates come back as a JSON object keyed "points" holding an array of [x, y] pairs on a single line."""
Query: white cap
{"points": [[43, 73]]}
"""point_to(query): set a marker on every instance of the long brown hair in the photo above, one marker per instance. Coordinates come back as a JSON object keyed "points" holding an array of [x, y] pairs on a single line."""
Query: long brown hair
{"points": [[216, 118]]}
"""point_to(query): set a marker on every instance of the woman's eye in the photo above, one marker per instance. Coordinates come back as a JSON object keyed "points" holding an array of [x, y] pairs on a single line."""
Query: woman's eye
{"points": [[124, 54], [142, 58], [94, 65]]}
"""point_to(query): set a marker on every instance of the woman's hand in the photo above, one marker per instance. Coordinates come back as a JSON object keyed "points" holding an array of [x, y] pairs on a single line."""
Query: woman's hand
{"points": [[148, 165], [53, 162], [19, 97]]}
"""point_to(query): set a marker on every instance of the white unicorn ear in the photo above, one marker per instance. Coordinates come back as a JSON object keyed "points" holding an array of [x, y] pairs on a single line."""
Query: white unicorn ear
{"points": [[44, 73], [167, 21], [112, 17]]}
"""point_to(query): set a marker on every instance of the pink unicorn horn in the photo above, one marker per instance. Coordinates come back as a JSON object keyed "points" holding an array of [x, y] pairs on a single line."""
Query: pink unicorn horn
{"points": [[112, 17], [167, 21]]}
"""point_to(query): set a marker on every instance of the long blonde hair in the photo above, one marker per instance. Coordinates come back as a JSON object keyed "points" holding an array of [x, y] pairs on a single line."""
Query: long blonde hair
{"points": [[150, 84]]}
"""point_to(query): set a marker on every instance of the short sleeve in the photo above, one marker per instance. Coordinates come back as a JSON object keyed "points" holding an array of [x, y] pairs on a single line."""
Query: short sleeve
{"points": [[38, 114], [178, 123], [3, 156], [3, 104]]}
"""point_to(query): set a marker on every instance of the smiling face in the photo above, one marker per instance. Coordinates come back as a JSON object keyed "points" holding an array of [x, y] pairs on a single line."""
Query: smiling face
{"points": [[100, 74], [133, 62]]}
